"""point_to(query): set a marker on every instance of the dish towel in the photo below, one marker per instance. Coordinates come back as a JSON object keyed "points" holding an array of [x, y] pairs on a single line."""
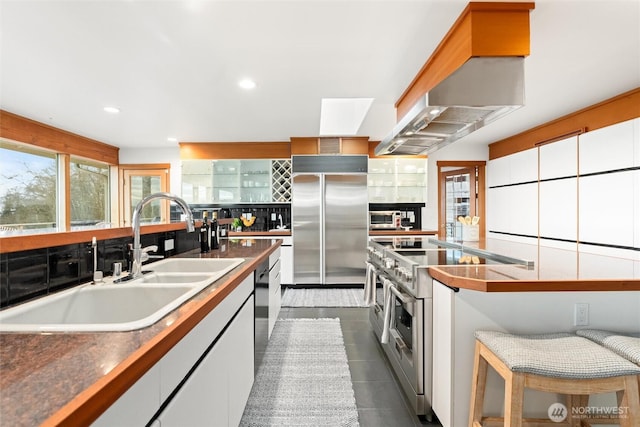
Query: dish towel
{"points": [[388, 301], [370, 285]]}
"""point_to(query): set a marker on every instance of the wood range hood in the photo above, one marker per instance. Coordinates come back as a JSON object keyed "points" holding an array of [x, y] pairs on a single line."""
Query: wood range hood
{"points": [[474, 77]]}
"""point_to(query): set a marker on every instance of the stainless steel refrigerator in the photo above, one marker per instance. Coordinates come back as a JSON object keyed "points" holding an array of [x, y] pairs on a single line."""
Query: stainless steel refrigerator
{"points": [[329, 218]]}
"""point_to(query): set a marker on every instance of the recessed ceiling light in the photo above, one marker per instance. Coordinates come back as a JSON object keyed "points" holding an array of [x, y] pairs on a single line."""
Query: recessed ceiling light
{"points": [[172, 139], [247, 84], [111, 110]]}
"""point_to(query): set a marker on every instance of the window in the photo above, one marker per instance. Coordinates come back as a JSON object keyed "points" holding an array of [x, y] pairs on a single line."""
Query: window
{"points": [[34, 199], [28, 183], [139, 181], [89, 193]]}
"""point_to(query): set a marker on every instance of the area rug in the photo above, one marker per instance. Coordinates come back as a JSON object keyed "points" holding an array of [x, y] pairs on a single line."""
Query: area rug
{"points": [[304, 379], [323, 297]]}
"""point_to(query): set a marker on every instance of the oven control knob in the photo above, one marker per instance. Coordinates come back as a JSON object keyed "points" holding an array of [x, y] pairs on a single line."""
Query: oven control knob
{"points": [[388, 263], [408, 276]]}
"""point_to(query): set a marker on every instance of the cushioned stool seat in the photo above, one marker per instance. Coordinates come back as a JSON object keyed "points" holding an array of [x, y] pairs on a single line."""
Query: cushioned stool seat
{"points": [[557, 363], [627, 346]]}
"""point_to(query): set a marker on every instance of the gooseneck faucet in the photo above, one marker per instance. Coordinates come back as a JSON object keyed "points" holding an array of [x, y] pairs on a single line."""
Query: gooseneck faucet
{"points": [[136, 265]]}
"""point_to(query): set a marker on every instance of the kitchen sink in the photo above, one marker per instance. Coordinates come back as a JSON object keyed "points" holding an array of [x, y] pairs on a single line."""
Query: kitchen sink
{"points": [[194, 265], [125, 306], [97, 308], [173, 278]]}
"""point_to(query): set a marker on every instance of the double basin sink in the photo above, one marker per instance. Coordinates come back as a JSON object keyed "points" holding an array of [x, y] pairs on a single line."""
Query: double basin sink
{"points": [[124, 306]]}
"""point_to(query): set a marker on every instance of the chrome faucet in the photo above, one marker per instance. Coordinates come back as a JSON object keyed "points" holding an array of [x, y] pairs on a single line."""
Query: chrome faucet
{"points": [[137, 251], [280, 218]]}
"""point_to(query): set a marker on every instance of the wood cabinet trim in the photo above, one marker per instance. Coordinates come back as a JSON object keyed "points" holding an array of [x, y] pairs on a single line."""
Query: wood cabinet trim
{"points": [[21, 129], [234, 150], [623, 107], [39, 241], [482, 29]]}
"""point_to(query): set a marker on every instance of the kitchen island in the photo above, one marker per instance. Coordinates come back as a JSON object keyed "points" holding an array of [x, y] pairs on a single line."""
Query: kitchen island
{"points": [[527, 300], [72, 378]]}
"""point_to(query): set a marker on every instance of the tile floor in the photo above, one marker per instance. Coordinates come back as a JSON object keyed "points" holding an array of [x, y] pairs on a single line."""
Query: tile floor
{"points": [[379, 399]]}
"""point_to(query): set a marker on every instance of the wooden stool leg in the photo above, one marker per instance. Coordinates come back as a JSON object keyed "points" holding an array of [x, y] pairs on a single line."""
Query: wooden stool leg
{"points": [[513, 399], [576, 401], [478, 386], [630, 401]]}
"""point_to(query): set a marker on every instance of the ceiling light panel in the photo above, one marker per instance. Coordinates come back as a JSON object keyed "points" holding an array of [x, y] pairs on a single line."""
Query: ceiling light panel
{"points": [[343, 116]]}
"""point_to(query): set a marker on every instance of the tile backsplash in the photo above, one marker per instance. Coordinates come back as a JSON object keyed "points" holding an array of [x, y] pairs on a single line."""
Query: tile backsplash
{"points": [[29, 274]]}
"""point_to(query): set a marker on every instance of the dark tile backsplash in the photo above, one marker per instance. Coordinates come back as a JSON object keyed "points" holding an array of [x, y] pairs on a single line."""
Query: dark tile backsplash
{"points": [[29, 274], [263, 213], [64, 266]]}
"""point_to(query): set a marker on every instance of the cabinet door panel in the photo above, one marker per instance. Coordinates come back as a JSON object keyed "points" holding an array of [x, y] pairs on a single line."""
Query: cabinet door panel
{"points": [[498, 171], [203, 400], [607, 212], [609, 148], [286, 267], [443, 352], [240, 365], [137, 405], [558, 209], [559, 159], [523, 166]]}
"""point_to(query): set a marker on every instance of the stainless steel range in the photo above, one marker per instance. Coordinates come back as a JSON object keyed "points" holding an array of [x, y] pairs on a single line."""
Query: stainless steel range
{"points": [[402, 314]]}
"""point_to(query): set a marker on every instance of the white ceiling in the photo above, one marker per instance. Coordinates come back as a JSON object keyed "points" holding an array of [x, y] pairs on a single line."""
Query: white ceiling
{"points": [[172, 67]]}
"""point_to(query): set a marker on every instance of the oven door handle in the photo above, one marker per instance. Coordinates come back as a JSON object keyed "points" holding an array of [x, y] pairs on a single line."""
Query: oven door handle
{"points": [[402, 297]]}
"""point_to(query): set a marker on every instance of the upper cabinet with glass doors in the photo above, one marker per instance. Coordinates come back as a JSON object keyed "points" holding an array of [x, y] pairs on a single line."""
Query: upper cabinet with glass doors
{"points": [[235, 181], [398, 180]]}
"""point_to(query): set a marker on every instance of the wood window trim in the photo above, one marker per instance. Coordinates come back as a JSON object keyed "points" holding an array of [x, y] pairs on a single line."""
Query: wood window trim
{"points": [[27, 131], [463, 164], [40, 241], [152, 169]]}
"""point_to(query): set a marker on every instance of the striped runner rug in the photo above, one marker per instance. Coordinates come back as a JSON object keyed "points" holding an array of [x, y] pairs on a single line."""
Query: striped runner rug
{"points": [[304, 379], [323, 297]]}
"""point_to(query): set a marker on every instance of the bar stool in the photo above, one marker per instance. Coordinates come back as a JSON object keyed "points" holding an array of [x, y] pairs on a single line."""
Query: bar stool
{"points": [[626, 346], [556, 363]]}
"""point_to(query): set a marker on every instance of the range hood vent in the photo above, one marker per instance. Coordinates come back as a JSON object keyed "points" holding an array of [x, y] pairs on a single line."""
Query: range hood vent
{"points": [[481, 91]]}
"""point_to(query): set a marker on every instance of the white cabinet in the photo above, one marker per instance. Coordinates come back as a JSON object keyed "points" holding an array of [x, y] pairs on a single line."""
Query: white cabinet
{"points": [[204, 399], [137, 405], [558, 209], [513, 169], [513, 209], [275, 292], [559, 159], [610, 148], [286, 261], [443, 354], [395, 180], [236, 181], [205, 379], [216, 392], [607, 211], [240, 362]]}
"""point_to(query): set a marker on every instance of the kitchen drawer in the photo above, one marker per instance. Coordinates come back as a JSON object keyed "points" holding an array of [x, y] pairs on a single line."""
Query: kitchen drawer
{"points": [[274, 257], [275, 295]]}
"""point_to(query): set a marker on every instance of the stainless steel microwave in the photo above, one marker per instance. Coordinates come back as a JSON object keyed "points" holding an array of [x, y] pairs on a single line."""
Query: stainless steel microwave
{"points": [[385, 220]]}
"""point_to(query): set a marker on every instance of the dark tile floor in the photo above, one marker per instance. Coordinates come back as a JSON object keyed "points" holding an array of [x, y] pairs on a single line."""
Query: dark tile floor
{"points": [[379, 399]]}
